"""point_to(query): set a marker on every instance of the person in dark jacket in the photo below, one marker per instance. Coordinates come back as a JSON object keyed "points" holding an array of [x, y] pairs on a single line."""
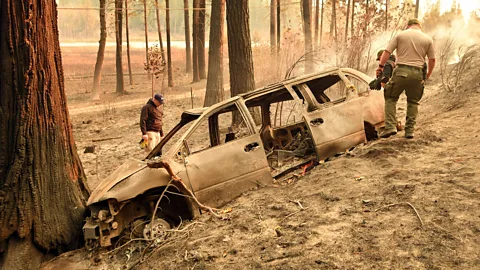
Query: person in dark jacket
{"points": [[383, 77], [151, 121]]}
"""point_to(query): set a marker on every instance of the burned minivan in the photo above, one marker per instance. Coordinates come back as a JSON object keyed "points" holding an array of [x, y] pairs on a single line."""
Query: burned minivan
{"points": [[246, 141]]}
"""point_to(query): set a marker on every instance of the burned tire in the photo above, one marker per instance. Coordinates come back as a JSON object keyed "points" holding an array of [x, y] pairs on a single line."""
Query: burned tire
{"points": [[157, 229]]}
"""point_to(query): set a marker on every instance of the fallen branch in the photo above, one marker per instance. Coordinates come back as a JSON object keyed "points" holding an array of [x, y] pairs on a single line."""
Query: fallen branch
{"points": [[404, 203], [107, 139], [294, 213], [298, 203]]}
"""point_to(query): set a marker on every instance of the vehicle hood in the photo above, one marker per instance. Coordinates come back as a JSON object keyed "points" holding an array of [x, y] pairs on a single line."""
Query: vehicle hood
{"points": [[127, 169], [132, 179]]}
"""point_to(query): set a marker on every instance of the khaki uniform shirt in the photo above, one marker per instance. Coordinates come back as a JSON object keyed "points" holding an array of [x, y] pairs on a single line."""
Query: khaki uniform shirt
{"points": [[412, 46]]}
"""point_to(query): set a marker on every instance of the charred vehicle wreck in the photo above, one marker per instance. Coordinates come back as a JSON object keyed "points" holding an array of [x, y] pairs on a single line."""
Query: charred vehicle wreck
{"points": [[233, 146]]}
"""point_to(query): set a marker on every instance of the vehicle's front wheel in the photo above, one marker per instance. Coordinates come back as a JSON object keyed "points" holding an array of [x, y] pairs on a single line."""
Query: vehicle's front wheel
{"points": [[156, 229]]}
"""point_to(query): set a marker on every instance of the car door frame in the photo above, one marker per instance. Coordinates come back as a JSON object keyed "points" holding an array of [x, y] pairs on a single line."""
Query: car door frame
{"points": [[320, 118], [218, 191]]}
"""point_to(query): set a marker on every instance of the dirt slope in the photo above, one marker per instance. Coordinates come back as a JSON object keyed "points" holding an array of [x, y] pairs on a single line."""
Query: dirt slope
{"points": [[353, 212]]}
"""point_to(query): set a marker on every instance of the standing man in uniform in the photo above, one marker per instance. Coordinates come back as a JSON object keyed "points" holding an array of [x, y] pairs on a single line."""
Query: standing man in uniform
{"points": [[151, 121], [412, 47]]}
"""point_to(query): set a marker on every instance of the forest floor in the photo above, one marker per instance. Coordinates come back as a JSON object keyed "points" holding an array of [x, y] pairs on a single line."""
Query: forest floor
{"points": [[389, 204]]}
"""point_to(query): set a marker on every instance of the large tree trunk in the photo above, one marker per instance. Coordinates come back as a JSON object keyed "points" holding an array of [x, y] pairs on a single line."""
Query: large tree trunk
{"points": [[42, 183], [242, 78], [196, 22], [307, 33], [273, 22], [118, 34], [101, 52], [159, 29], [214, 92], [169, 50], [201, 43], [188, 60], [145, 23], [127, 32]]}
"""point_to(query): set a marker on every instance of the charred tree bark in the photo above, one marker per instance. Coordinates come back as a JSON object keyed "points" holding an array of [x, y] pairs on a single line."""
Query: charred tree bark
{"points": [[169, 50], [42, 182], [127, 33], [147, 57], [97, 76], [242, 78], [273, 30], [118, 35], [307, 33], [195, 36], [214, 91], [317, 13], [201, 41], [159, 29], [188, 60]]}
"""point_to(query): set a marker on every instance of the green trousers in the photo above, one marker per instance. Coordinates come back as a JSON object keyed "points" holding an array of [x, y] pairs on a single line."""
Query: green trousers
{"points": [[410, 80]]}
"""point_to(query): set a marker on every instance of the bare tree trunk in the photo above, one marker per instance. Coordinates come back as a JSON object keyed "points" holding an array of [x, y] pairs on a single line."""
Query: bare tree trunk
{"points": [[214, 92], [188, 52], [353, 16], [118, 33], [279, 28], [321, 27], [334, 21], [386, 15], [307, 33], [317, 14], [42, 182], [196, 22], [147, 57], [417, 6], [242, 78], [273, 21], [169, 49], [159, 29], [101, 52], [346, 23], [127, 32], [367, 18], [201, 43]]}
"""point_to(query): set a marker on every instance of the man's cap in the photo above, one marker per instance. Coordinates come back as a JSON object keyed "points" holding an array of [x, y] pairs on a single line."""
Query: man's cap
{"points": [[159, 98], [413, 21], [379, 54]]}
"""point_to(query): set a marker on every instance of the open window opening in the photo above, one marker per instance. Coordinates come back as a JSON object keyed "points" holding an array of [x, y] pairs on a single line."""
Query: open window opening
{"points": [[221, 127], [284, 133], [330, 88]]}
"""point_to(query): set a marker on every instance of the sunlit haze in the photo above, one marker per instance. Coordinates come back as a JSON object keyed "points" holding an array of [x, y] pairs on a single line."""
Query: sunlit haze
{"points": [[467, 6]]}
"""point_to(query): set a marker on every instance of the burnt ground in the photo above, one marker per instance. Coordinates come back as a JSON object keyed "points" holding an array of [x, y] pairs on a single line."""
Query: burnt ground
{"points": [[356, 211]]}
